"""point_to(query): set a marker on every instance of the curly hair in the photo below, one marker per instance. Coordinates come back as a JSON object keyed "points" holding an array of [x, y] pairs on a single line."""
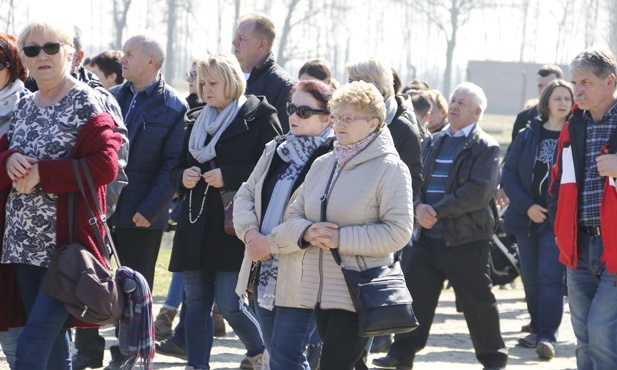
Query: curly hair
{"points": [[364, 97]]}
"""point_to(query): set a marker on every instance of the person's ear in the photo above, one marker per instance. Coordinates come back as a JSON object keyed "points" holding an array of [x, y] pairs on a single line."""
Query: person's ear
{"points": [[610, 80], [373, 123]]}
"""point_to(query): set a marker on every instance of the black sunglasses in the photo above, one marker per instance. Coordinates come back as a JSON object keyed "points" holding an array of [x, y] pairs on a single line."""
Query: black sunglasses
{"points": [[303, 111], [51, 48]]}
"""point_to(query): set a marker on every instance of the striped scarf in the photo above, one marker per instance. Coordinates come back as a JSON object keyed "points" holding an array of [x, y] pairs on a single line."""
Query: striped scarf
{"points": [[136, 329]]}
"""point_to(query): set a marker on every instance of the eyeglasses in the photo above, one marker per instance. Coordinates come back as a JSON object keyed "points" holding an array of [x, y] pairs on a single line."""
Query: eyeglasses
{"points": [[51, 48], [348, 119], [4, 65], [303, 111], [192, 75]]}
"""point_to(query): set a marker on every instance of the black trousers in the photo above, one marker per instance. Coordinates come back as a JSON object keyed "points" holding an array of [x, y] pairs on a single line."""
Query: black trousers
{"points": [[342, 347], [427, 264], [137, 249]]}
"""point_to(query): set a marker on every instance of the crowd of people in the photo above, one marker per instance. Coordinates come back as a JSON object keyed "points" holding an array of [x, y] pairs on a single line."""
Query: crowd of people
{"points": [[252, 156]]}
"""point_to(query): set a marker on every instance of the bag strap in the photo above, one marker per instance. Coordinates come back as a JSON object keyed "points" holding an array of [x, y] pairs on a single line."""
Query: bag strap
{"points": [[93, 219]]}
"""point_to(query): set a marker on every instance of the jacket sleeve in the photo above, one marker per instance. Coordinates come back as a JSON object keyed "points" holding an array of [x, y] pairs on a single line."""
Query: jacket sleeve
{"points": [[161, 192], [286, 238], [235, 174], [102, 145], [5, 180], [408, 147], [181, 163], [394, 230], [556, 175], [478, 188], [245, 216], [519, 199]]}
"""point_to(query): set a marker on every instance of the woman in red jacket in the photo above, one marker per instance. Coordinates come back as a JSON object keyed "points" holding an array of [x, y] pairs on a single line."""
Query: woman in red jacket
{"points": [[62, 121]]}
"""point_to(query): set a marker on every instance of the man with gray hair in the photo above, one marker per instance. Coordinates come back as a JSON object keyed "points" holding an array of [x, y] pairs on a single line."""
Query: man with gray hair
{"points": [[457, 214], [252, 46], [153, 113], [583, 207]]}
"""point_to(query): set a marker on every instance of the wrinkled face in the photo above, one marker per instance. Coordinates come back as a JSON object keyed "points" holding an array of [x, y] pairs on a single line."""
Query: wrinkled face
{"points": [[312, 125], [560, 103], [107, 82], [213, 89], [462, 111], [46, 67], [350, 125], [247, 47], [590, 91], [192, 80], [135, 62], [541, 82]]}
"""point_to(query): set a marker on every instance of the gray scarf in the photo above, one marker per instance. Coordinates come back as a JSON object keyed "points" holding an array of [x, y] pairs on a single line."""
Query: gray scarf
{"points": [[295, 150], [210, 122], [9, 97]]}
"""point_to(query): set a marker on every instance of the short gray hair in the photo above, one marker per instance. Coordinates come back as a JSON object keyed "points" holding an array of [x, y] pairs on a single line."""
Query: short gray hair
{"points": [[373, 71], [152, 47], [600, 62], [478, 96]]}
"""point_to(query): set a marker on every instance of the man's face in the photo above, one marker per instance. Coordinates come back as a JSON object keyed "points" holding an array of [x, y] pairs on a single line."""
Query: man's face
{"points": [[135, 63], [541, 82], [247, 47], [462, 111], [590, 91]]}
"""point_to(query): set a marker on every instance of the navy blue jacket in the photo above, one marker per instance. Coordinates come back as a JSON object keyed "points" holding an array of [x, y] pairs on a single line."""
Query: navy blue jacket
{"points": [[155, 132], [517, 180]]}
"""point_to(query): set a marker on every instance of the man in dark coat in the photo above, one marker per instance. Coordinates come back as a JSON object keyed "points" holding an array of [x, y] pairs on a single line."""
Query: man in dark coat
{"points": [[252, 44]]}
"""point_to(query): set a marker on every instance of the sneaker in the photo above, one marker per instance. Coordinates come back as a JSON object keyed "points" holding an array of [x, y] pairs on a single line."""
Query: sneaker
{"points": [[246, 364], [169, 347], [528, 342], [117, 359], [392, 362], [83, 361], [545, 349], [260, 361]]}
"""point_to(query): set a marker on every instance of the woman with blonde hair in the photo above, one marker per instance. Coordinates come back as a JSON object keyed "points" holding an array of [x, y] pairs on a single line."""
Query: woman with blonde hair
{"points": [[223, 142]]}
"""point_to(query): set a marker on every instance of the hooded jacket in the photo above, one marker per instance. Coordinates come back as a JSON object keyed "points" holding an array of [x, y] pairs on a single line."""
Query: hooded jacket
{"points": [[370, 201]]}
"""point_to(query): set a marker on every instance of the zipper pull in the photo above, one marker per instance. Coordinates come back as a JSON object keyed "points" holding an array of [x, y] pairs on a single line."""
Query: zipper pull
{"points": [[144, 124], [83, 313]]}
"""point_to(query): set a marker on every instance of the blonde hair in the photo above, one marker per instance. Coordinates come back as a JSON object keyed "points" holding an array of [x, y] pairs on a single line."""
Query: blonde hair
{"points": [[227, 66], [373, 71], [364, 97], [64, 33]]}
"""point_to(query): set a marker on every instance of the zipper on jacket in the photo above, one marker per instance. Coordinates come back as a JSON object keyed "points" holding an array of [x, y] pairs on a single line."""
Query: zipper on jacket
{"points": [[319, 291]]}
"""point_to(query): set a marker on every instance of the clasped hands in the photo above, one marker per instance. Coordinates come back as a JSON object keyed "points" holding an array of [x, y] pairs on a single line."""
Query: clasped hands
{"points": [[192, 175], [23, 171], [324, 235]]}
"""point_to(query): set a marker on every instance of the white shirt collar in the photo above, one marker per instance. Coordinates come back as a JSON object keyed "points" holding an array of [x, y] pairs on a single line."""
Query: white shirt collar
{"points": [[464, 132]]}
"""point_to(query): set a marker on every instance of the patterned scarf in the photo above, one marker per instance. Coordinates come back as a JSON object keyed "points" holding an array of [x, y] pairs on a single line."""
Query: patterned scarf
{"points": [[136, 329], [210, 122], [343, 153], [295, 150]]}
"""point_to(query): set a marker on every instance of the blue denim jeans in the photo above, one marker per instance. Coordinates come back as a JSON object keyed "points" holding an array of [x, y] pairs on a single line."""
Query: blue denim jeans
{"points": [[8, 342], [202, 287], [287, 331], [44, 341], [175, 292], [592, 292], [543, 278]]}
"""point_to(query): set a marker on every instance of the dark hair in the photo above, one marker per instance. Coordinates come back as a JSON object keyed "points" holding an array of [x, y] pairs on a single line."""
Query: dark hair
{"points": [[421, 102], [546, 95], [87, 61], [9, 54], [109, 62], [316, 68], [549, 69], [396, 81], [319, 90]]}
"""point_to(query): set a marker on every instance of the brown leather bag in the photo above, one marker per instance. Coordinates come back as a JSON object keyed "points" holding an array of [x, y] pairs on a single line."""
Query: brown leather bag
{"points": [[88, 288], [227, 197]]}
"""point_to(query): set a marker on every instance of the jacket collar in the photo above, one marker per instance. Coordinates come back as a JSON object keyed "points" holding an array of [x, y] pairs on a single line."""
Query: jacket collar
{"points": [[382, 145], [265, 66]]}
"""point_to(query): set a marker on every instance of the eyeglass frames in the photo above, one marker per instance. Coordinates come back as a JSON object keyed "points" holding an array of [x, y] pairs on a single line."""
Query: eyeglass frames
{"points": [[303, 111], [51, 48], [192, 75]]}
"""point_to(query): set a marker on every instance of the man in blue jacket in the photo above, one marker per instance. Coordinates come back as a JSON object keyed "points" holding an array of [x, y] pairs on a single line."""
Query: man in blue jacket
{"points": [[153, 113]]}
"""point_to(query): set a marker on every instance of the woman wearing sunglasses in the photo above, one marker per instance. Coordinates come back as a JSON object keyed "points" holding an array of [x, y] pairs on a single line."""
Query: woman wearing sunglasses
{"points": [[62, 121], [223, 142], [12, 75], [273, 271]]}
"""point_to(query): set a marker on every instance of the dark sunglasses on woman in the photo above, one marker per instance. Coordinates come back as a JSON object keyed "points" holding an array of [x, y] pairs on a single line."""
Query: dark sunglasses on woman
{"points": [[51, 48], [303, 111]]}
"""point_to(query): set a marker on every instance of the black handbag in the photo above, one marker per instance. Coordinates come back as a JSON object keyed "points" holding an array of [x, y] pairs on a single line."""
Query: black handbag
{"points": [[379, 294], [88, 288]]}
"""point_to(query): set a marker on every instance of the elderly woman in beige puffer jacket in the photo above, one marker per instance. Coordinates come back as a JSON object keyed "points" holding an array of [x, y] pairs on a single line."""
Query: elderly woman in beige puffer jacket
{"points": [[369, 216]]}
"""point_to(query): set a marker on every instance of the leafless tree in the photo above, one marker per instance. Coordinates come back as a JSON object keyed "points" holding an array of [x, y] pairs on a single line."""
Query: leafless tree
{"points": [[120, 13], [611, 8]]}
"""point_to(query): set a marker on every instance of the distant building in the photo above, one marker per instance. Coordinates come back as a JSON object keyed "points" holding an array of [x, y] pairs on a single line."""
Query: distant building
{"points": [[508, 85]]}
